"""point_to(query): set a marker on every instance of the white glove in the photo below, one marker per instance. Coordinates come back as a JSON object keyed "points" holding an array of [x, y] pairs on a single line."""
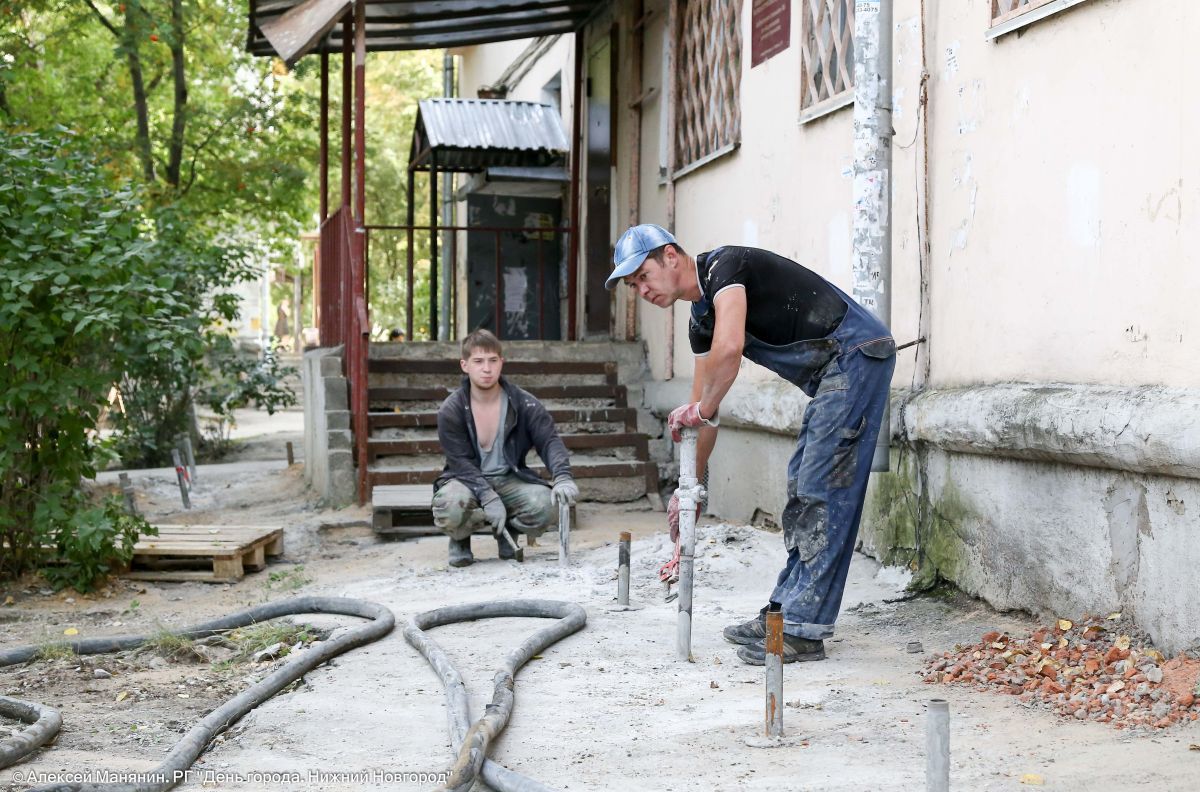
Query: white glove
{"points": [[565, 492]]}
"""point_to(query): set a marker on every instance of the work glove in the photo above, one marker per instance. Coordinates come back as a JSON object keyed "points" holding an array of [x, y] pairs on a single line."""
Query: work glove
{"points": [[565, 491], [494, 512], [685, 416], [673, 517]]}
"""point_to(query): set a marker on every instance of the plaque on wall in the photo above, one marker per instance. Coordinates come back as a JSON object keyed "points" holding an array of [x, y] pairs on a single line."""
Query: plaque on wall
{"points": [[770, 29]]}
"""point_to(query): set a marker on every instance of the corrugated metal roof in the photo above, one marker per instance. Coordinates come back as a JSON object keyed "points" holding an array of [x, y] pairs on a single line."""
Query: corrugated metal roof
{"points": [[298, 27], [472, 134]]}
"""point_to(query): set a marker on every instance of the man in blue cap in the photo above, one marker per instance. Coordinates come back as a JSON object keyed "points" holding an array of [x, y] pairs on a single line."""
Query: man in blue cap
{"points": [[753, 303]]}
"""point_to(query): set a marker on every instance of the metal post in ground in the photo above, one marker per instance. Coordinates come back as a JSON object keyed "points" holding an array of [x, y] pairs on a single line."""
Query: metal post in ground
{"points": [[564, 534], [127, 491], [291, 454], [937, 747], [689, 493], [871, 263], [181, 477], [623, 568], [186, 444], [774, 668]]}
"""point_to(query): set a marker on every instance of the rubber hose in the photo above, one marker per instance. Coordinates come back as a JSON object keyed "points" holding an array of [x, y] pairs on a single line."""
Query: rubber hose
{"points": [[184, 753], [45, 724], [471, 741]]}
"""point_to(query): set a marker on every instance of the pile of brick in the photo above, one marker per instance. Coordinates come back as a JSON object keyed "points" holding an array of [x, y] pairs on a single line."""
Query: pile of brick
{"points": [[1093, 670]]}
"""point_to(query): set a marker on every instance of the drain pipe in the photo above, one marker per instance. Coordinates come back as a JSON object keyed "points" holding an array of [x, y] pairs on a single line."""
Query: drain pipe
{"points": [[872, 258], [690, 494]]}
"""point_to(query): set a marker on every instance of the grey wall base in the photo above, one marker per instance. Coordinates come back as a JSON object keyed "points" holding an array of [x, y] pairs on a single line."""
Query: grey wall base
{"points": [[1059, 500], [328, 450]]}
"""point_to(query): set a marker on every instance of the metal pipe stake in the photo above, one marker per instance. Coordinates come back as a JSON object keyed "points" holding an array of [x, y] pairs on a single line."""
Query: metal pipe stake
{"points": [[689, 493], [564, 534], [181, 477], [937, 747], [190, 458], [127, 491], [774, 667], [623, 568]]}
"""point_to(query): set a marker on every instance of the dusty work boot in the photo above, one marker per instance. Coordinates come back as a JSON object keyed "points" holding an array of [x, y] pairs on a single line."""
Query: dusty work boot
{"points": [[460, 552], [795, 650], [747, 632]]}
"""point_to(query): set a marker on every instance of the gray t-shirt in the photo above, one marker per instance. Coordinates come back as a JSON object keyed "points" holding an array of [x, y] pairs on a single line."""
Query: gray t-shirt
{"points": [[492, 460]]}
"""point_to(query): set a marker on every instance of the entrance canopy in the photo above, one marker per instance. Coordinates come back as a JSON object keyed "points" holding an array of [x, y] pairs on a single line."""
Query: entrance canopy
{"points": [[469, 135], [294, 28]]}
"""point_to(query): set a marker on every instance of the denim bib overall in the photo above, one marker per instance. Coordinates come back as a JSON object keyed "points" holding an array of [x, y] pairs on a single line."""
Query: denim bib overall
{"points": [[847, 374]]}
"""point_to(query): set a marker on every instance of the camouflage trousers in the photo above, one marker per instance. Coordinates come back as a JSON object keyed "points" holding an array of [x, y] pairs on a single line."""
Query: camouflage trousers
{"points": [[458, 514]]}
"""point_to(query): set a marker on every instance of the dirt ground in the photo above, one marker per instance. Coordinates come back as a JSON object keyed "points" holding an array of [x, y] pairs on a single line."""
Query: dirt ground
{"points": [[608, 708]]}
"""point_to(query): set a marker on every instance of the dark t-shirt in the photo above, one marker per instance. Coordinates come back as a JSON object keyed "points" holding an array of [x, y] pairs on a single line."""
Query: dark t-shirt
{"points": [[785, 302]]}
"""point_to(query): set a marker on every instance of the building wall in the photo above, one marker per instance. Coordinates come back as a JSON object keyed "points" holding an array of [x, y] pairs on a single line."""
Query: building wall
{"points": [[1058, 258]]}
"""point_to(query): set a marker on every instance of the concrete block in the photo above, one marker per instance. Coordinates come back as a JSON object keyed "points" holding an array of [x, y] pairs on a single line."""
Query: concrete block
{"points": [[339, 440], [337, 420], [337, 393], [331, 366]]}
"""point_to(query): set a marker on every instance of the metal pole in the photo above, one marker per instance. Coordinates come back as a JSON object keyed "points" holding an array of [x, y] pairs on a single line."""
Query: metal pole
{"points": [[181, 478], [433, 248], [408, 266], [443, 329], [623, 568], [347, 101], [564, 534], [324, 142], [577, 99], [127, 491], [872, 260], [937, 747], [689, 493], [774, 667], [291, 454], [186, 442]]}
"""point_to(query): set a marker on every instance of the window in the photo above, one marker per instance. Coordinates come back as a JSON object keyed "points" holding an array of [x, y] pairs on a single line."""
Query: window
{"points": [[826, 56], [708, 111], [1009, 15]]}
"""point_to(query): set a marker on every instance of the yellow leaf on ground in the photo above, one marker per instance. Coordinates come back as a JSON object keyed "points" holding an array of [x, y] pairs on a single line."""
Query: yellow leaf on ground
{"points": [[124, 694], [1065, 624], [70, 631], [8, 600], [1156, 655], [1122, 642], [1033, 779], [1114, 616], [1194, 747]]}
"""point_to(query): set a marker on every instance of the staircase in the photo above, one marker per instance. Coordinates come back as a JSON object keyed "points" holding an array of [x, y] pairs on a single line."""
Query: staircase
{"points": [[580, 384]]}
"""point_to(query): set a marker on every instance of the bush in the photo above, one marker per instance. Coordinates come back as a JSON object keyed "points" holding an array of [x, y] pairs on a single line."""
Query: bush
{"points": [[98, 542]]}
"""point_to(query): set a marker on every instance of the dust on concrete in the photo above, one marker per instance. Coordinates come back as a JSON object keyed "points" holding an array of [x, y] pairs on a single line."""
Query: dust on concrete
{"points": [[607, 708]]}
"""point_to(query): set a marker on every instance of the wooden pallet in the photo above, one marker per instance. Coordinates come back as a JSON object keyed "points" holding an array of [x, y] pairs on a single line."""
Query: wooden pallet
{"points": [[226, 552], [402, 510]]}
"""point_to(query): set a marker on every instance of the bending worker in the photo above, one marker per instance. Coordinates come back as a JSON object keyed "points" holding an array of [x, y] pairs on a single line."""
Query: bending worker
{"points": [[486, 429], [755, 304]]}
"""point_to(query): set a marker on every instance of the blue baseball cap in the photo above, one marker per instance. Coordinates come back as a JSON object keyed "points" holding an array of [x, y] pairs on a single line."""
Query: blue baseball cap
{"points": [[633, 247]]}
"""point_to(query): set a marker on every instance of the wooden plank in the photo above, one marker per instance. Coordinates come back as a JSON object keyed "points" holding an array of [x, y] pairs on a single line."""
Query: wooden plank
{"points": [[414, 497], [179, 576], [511, 367], [378, 448], [616, 392], [427, 419], [428, 476]]}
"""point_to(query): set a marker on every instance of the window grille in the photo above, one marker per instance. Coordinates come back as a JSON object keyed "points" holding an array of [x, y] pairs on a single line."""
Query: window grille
{"points": [[709, 47], [826, 51], [1004, 10]]}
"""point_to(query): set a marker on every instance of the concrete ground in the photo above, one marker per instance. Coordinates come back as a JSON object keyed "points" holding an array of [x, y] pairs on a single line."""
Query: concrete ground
{"points": [[608, 708]]}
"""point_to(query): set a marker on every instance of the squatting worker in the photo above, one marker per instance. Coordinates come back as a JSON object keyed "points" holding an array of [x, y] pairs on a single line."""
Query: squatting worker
{"points": [[754, 303], [486, 429]]}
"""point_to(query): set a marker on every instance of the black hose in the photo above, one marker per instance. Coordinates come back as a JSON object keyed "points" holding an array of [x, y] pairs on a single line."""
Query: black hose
{"points": [[471, 741], [189, 747], [45, 724]]}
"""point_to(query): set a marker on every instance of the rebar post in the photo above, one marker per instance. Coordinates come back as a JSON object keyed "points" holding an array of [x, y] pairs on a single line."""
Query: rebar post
{"points": [[564, 534], [291, 454], [186, 442], [623, 568], [181, 477], [937, 747], [689, 493], [774, 668]]}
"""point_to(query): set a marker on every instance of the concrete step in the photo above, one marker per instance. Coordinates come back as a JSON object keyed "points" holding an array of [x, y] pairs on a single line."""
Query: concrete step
{"points": [[547, 393], [608, 370], [392, 473], [380, 447], [627, 416]]}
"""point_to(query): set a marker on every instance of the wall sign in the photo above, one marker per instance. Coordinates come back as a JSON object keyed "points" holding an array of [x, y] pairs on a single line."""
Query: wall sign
{"points": [[770, 29]]}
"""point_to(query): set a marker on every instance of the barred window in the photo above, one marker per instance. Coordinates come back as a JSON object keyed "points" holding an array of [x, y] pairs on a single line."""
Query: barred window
{"points": [[826, 55], [1008, 15], [709, 73]]}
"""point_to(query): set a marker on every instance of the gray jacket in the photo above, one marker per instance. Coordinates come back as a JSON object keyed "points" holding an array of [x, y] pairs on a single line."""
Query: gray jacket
{"points": [[527, 425]]}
